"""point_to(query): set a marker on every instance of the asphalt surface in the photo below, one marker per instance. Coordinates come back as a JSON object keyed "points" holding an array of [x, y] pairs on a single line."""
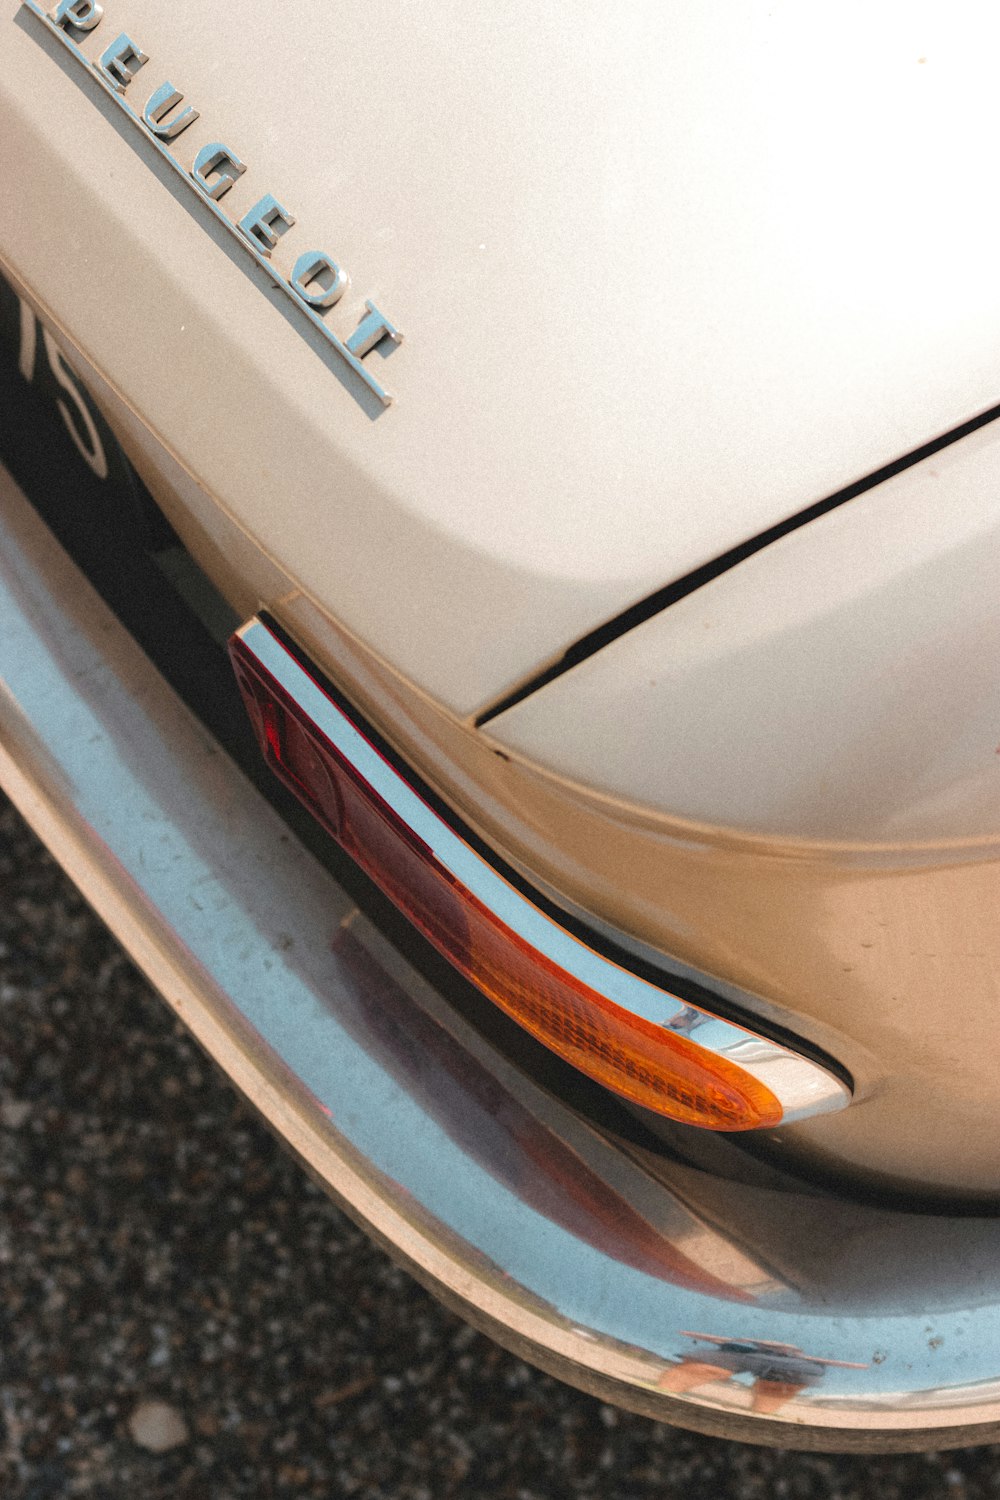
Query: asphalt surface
{"points": [[184, 1315]]}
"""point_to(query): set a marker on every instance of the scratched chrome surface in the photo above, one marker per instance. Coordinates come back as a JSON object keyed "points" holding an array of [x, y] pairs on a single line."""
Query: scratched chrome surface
{"points": [[750, 1310]]}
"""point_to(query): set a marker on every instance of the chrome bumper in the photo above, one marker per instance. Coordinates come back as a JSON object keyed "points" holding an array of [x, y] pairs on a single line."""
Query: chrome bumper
{"points": [[761, 1312]]}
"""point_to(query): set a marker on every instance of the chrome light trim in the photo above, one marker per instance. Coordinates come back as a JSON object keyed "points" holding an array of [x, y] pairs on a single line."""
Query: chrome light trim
{"points": [[802, 1087]]}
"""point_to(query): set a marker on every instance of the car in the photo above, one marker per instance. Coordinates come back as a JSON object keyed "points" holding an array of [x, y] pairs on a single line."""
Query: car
{"points": [[498, 612]]}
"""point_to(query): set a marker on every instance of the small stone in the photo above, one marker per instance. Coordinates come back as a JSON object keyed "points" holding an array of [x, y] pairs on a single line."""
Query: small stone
{"points": [[157, 1427], [76, 1179], [14, 1112]]}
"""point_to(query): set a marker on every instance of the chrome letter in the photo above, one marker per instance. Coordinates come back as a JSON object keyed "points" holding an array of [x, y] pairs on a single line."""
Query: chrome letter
{"points": [[265, 222], [160, 104], [82, 13], [219, 159], [371, 331], [309, 268], [121, 62]]}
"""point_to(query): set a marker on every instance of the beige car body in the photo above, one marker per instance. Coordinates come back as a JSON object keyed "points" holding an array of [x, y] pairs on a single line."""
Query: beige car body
{"points": [[666, 277]]}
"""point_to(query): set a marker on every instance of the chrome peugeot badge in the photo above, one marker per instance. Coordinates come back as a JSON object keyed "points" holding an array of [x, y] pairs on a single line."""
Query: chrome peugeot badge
{"points": [[316, 281]]}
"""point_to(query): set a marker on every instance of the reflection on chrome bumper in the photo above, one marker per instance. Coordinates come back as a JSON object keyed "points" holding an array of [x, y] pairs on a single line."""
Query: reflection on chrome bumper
{"points": [[750, 1311]]}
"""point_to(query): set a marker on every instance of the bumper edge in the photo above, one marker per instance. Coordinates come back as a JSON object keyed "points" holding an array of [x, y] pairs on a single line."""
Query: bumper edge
{"points": [[506, 1205]]}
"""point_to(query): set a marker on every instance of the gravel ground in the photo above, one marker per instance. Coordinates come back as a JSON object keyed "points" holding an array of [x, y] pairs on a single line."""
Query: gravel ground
{"points": [[184, 1314]]}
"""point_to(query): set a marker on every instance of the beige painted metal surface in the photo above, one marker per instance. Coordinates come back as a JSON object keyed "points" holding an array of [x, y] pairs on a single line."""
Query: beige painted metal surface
{"points": [[627, 346], [665, 278], [856, 950], [843, 684]]}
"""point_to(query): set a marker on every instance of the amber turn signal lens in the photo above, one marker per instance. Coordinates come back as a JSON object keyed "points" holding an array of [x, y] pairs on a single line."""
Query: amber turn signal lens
{"points": [[642, 1059]]}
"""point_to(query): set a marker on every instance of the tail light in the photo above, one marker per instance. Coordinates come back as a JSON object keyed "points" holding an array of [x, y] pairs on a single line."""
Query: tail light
{"points": [[630, 1035]]}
